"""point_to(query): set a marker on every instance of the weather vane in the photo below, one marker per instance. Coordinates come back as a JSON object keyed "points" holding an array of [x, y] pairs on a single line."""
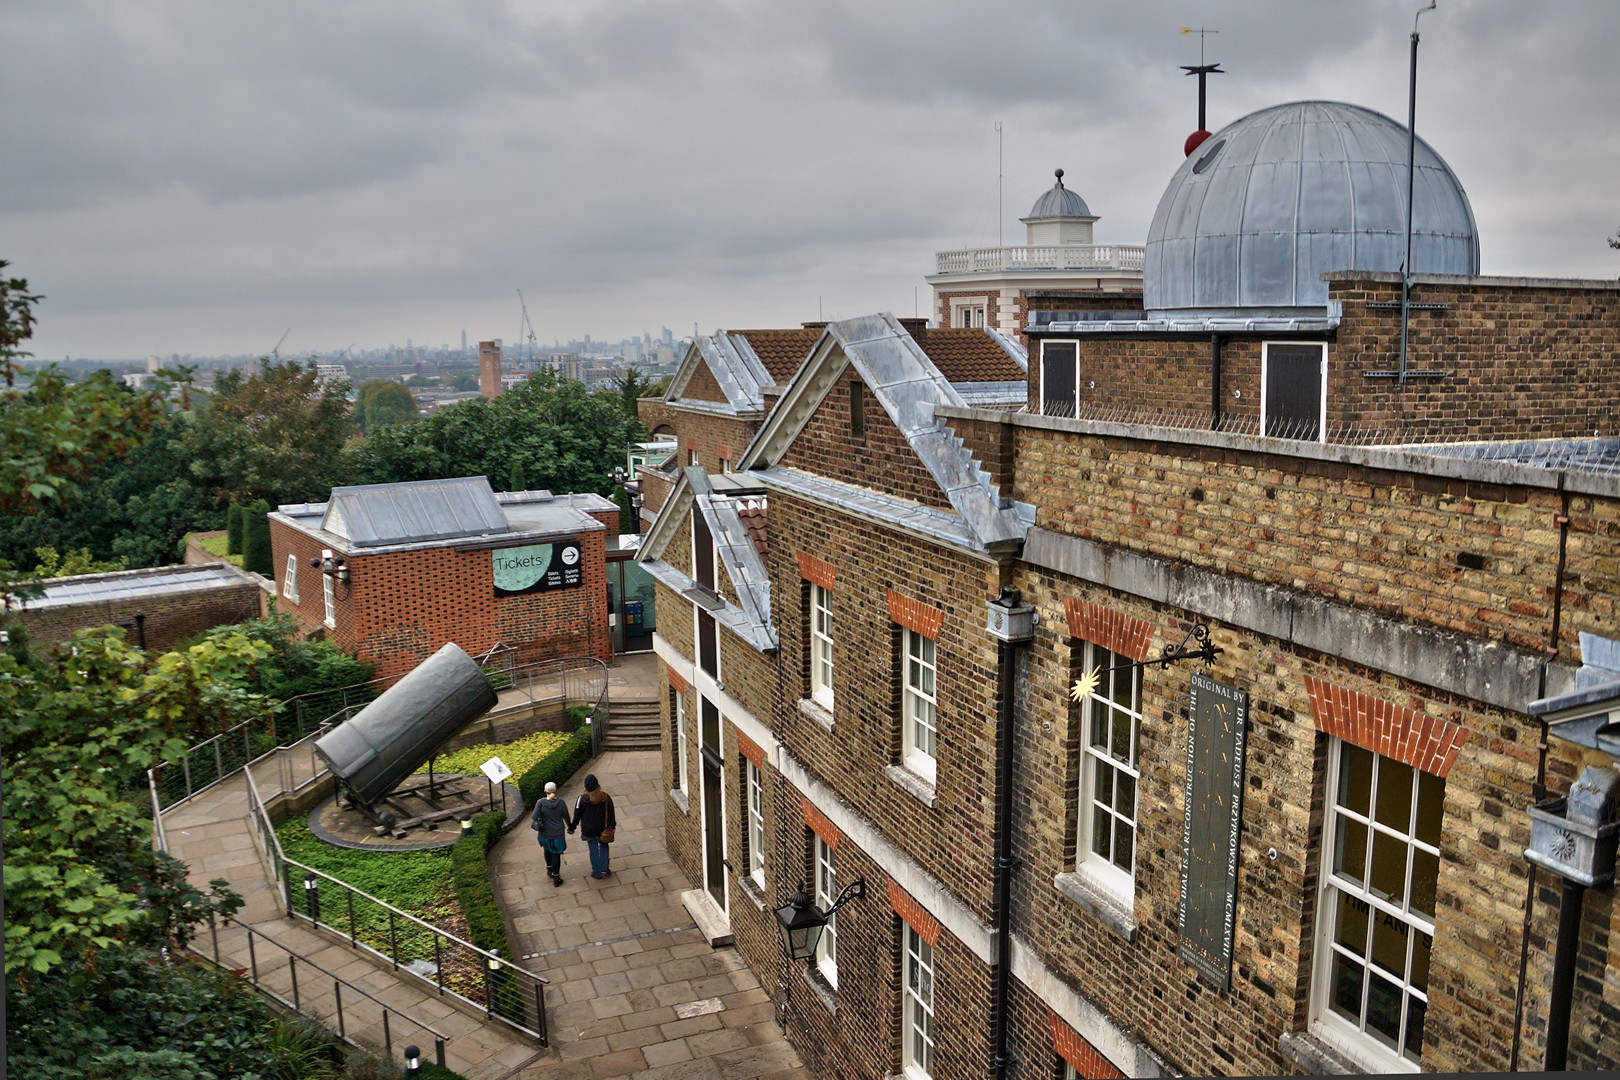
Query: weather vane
{"points": [[1203, 71]]}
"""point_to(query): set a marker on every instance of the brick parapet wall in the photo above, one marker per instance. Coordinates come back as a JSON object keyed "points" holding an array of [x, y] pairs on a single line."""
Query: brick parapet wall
{"points": [[1470, 557], [165, 620], [657, 415]]}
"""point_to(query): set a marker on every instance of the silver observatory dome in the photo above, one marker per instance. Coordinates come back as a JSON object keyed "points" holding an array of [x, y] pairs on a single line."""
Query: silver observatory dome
{"points": [[1265, 206]]}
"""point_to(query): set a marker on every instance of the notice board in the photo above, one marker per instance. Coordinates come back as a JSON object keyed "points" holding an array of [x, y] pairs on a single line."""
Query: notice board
{"points": [[1211, 827]]}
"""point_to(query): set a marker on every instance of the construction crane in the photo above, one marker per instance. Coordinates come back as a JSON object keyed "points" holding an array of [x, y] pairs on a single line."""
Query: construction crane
{"points": [[526, 328], [276, 352]]}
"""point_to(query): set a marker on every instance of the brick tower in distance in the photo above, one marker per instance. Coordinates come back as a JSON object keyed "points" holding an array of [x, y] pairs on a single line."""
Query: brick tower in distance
{"points": [[489, 368]]}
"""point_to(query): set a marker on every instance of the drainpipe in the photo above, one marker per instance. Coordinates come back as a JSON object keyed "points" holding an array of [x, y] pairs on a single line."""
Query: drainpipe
{"points": [[1538, 792], [1011, 623], [1214, 378]]}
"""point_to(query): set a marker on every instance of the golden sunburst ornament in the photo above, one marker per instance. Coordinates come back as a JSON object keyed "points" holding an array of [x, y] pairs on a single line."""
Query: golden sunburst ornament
{"points": [[1086, 684]]}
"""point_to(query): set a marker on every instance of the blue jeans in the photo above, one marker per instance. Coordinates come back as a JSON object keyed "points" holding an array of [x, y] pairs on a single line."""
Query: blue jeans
{"points": [[599, 855]]}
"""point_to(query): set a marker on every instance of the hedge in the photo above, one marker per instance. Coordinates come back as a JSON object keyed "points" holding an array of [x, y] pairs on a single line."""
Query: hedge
{"points": [[557, 766], [469, 862], [432, 1070], [233, 530], [256, 555]]}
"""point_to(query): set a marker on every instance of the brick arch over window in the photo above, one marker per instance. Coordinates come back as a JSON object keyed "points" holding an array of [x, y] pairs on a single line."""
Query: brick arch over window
{"points": [[1424, 742], [1111, 629], [1079, 1053], [913, 914], [915, 615], [819, 823]]}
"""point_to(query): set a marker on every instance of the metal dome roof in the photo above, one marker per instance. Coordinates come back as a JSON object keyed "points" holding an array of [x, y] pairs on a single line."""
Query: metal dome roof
{"points": [[1059, 202], [1269, 203]]}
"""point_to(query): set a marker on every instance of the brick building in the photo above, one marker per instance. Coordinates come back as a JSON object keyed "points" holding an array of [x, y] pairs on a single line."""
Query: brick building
{"points": [[1300, 849], [158, 607], [391, 572]]}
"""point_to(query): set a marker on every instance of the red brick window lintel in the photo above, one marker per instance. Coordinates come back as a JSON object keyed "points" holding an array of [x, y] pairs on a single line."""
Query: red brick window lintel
{"points": [[1424, 742]]}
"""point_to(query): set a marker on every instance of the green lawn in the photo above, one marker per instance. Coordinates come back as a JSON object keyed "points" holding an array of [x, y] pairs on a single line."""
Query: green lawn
{"points": [[519, 755], [215, 545]]}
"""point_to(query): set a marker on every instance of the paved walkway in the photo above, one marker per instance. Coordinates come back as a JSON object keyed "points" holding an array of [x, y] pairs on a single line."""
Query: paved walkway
{"points": [[637, 991]]}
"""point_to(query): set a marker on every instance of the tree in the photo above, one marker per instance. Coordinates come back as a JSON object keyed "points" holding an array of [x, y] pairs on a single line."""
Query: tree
{"points": [[632, 387], [256, 553], [16, 321], [54, 565], [515, 481], [567, 439], [1614, 241], [233, 530], [276, 436], [381, 402], [80, 726]]}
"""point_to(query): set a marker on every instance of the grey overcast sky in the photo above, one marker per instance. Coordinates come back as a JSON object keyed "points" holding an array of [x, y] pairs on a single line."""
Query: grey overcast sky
{"points": [[194, 176]]}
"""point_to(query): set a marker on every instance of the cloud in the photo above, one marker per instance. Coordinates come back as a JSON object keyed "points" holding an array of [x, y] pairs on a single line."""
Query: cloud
{"points": [[182, 175]]}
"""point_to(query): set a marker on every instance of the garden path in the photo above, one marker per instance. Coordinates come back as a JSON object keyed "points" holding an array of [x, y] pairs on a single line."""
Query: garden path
{"points": [[636, 990], [213, 836]]}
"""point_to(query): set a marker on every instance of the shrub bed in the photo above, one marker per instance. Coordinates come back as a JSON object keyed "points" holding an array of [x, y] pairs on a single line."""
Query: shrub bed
{"points": [[520, 755], [557, 766], [470, 871]]}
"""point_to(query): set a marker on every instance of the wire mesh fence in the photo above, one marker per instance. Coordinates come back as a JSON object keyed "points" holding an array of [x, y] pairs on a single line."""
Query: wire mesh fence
{"points": [[1593, 454]]}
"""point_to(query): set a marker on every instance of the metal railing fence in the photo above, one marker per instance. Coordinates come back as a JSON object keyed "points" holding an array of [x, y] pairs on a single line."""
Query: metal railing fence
{"points": [[265, 954], [454, 967]]}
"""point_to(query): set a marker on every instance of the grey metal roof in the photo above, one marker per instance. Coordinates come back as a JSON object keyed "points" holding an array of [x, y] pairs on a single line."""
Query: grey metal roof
{"points": [[1270, 202], [372, 515], [124, 585], [750, 618], [1059, 202], [1199, 324], [735, 367], [909, 386]]}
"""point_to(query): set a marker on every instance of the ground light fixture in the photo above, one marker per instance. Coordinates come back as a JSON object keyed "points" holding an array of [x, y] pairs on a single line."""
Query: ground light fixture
{"points": [[466, 824], [413, 1062], [801, 922]]}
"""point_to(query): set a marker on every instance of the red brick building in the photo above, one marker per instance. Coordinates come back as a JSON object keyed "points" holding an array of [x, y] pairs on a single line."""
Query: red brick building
{"points": [[925, 647], [391, 572]]}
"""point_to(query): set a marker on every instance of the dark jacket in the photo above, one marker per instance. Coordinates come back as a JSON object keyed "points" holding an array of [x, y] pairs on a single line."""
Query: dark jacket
{"points": [[552, 814], [594, 812]]}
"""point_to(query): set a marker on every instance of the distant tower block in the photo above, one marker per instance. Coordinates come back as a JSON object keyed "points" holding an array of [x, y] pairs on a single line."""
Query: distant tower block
{"points": [[489, 368]]}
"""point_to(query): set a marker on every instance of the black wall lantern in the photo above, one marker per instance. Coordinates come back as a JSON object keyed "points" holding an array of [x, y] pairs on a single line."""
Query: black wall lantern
{"points": [[802, 922]]}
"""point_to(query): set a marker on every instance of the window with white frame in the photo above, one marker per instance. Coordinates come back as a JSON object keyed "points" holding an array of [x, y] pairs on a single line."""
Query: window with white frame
{"points": [[917, 1024], [1381, 867], [1111, 715], [826, 893], [1293, 390], [969, 313], [1070, 1072], [289, 580], [679, 713], [756, 823], [329, 589], [1060, 378], [919, 707], [821, 645]]}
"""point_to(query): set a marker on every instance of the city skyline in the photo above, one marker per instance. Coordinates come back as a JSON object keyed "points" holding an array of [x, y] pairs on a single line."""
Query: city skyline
{"points": [[198, 180]]}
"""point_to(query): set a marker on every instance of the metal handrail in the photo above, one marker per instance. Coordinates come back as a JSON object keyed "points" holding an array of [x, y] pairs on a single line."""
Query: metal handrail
{"points": [[524, 676], [338, 985], [501, 982]]}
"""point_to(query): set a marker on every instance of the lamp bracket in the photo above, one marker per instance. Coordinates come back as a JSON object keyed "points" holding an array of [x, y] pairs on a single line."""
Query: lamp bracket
{"points": [[855, 890]]}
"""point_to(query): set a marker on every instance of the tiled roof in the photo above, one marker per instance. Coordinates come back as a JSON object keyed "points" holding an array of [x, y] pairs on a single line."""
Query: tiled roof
{"points": [[752, 512], [781, 351], [963, 355]]}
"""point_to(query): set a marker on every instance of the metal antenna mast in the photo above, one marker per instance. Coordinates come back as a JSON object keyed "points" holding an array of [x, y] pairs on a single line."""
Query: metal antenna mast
{"points": [[1411, 151], [1202, 70], [999, 175]]}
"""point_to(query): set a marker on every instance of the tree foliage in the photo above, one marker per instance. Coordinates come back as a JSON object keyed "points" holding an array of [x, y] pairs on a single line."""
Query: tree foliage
{"points": [[79, 727], [381, 402], [53, 564], [256, 552], [55, 434], [276, 436], [565, 438], [233, 529], [292, 666]]}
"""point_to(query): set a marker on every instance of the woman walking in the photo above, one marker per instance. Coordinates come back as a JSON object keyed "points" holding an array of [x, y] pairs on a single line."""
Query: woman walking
{"points": [[550, 820], [595, 820]]}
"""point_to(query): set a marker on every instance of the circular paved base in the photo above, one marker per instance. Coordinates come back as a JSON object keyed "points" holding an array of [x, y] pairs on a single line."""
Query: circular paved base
{"points": [[352, 829]]}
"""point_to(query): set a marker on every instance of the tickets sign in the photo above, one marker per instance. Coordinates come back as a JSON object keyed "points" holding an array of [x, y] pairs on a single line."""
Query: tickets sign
{"points": [[537, 568]]}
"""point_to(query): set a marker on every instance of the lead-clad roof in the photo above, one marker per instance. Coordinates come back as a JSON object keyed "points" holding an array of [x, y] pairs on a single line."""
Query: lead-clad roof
{"points": [[1268, 204], [372, 515]]}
